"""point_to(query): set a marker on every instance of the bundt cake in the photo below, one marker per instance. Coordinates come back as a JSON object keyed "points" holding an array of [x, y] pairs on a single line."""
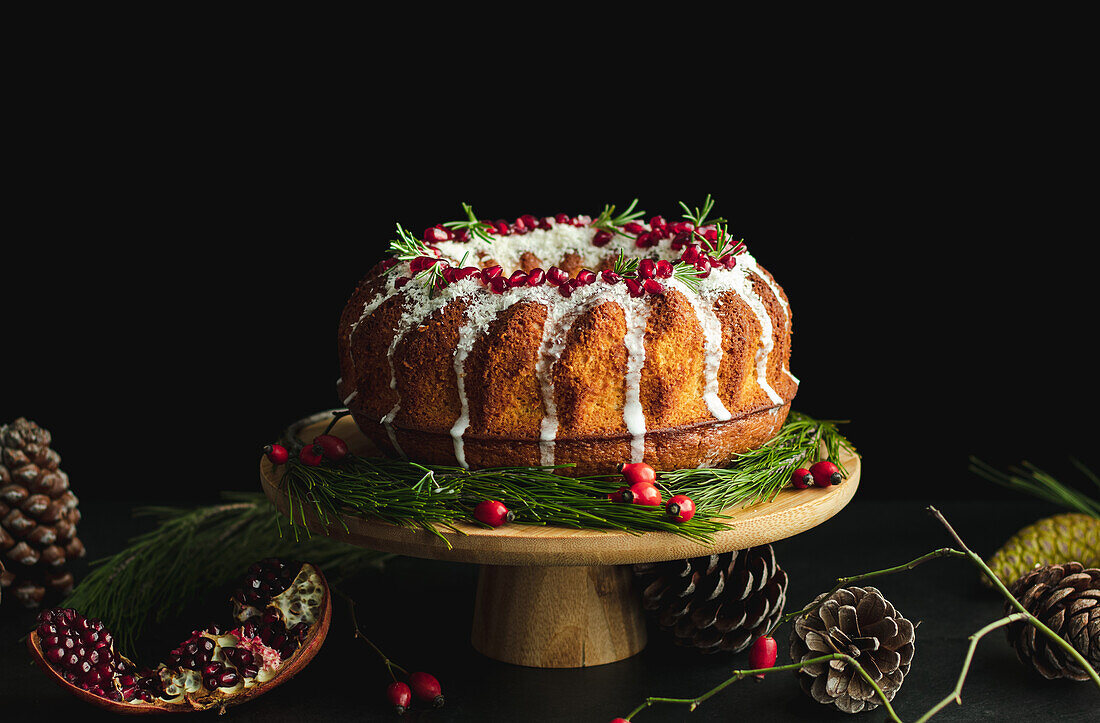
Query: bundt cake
{"points": [[568, 340]]}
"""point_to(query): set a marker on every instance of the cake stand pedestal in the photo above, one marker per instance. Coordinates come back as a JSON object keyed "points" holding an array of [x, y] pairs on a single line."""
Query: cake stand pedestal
{"points": [[554, 597]]}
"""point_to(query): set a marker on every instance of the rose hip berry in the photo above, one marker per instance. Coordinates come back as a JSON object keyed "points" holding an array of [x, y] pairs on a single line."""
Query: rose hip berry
{"points": [[493, 513], [277, 453], [333, 447], [802, 479], [826, 473], [645, 494], [763, 653], [399, 695], [311, 455], [680, 508], [426, 687], [639, 472]]}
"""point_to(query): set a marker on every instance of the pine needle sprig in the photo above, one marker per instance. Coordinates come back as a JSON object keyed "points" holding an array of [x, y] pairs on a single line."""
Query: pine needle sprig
{"points": [[1029, 479], [759, 474], [687, 275], [698, 216], [626, 265], [435, 497], [609, 222], [193, 550], [472, 225], [724, 243]]}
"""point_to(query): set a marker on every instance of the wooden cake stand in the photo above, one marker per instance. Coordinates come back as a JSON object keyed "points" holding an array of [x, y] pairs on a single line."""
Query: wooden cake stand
{"points": [[554, 597]]}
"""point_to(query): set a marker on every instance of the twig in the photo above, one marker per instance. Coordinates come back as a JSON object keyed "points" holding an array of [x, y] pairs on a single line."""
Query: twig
{"points": [[390, 665], [956, 693]]}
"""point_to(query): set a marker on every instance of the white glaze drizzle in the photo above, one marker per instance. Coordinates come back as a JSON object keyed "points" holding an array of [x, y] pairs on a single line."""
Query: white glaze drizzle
{"points": [[782, 303], [633, 414], [712, 353]]}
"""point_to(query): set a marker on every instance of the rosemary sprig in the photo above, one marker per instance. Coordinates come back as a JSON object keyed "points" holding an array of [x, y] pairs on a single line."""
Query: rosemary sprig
{"points": [[724, 243], [698, 216], [1031, 480], [687, 275], [472, 225], [606, 221], [408, 247], [192, 550], [626, 265]]}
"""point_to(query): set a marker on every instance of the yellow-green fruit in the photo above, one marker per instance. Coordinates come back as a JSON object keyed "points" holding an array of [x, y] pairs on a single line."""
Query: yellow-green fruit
{"points": [[1051, 541]]}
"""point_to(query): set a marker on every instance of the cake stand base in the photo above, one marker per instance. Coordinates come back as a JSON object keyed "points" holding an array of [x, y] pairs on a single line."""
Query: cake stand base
{"points": [[557, 617]]}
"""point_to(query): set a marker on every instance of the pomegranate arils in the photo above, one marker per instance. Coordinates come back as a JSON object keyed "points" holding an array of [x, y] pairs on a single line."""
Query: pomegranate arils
{"points": [[635, 288], [634, 227], [664, 269], [399, 283], [647, 269], [610, 276], [437, 233], [586, 277], [498, 285], [536, 277], [647, 240], [556, 276], [567, 288], [652, 286], [518, 278], [657, 222], [602, 238], [546, 223], [491, 273], [562, 218]]}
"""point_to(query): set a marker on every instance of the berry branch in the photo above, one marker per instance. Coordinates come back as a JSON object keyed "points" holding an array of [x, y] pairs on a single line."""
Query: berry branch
{"points": [[956, 693]]}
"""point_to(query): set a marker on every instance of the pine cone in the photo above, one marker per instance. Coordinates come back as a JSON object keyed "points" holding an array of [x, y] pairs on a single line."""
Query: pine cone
{"points": [[1066, 598], [715, 603], [38, 515], [1069, 537], [858, 621]]}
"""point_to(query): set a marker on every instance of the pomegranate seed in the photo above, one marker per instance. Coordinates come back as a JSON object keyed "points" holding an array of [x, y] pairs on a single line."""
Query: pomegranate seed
{"points": [[602, 238], [682, 226], [468, 272], [664, 269], [502, 227], [492, 513], [556, 277], [450, 274], [647, 269], [567, 288], [635, 288], [657, 222], [581, 220], [645, 240], [491, 273], [518, 278], [228, 679], [634, 227], [529, 221], [680, 508], [709, 233], [645, 494], [561, 218], [54, 655], [536, 277], [610, 276], [498, 285], [435, 234], [401, 282], [421, 263], [546, 223], [518, 228], [426, 687], [586, 277], [691, 254], [653, 286], [729, 261], [462, 235]]}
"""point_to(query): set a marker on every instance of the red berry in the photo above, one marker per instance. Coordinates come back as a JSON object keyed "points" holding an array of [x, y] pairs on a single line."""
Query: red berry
{"points": [[801, 479], [634, 227], [518, 278], [664, 269], [312, 454], [763, 653], [635, 288], [680, 508], [826, 473], [586, 277], [277, 453], [556, 276], [619, 720], [653, 286], [645, 493], [536, 277], [493, 513], [647, 269], [639, 472], [399, 696], [623, 494], [491, 273], [602, 238], [426, 687], [610, 276], [334, 447], [498, 284]]}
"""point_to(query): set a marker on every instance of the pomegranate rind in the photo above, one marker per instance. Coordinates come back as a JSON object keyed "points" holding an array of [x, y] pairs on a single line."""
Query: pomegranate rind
{"points": [[289, 668]]}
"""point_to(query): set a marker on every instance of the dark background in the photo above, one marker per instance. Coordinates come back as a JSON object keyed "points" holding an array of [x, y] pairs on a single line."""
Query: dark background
{"points": [[180, 244]]}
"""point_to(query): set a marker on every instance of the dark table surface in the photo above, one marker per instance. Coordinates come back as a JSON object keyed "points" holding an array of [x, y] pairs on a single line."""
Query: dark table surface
{"points": [[419, 611]]}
